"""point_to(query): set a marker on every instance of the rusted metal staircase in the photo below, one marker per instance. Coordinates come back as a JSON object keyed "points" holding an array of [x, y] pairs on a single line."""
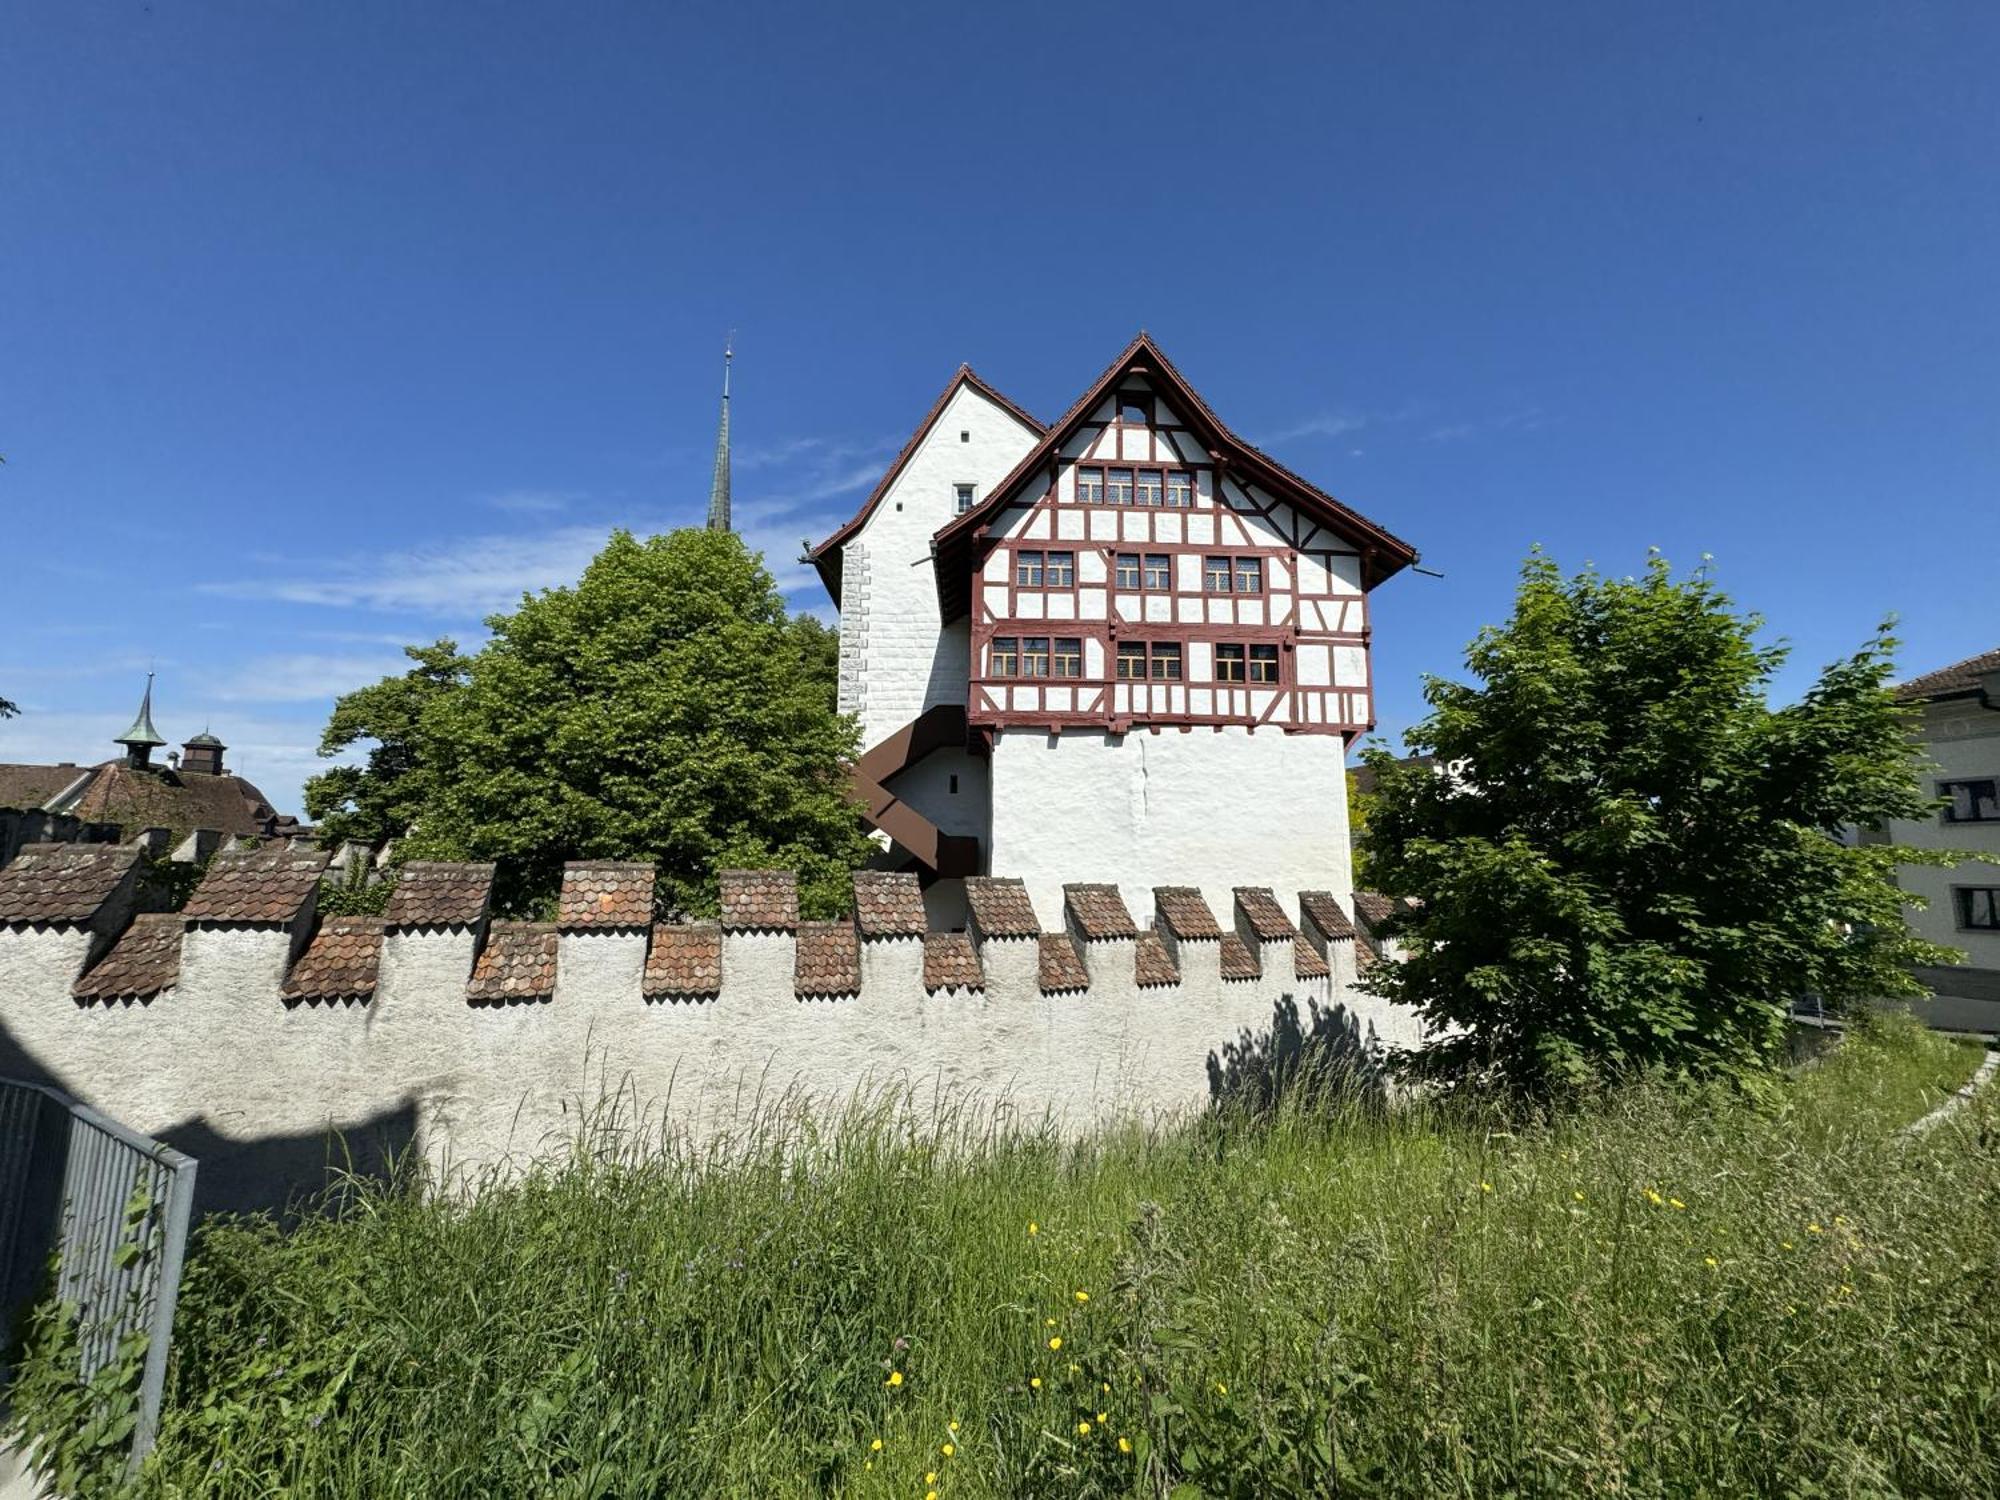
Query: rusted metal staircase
{"points": [[940, 854]]}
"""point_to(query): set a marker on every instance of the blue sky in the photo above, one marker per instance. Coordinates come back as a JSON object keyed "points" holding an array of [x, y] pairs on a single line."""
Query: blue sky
{"points": [[329, 327]]}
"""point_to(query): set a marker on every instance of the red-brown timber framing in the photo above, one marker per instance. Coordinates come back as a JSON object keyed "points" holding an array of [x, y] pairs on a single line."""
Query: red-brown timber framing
{"points": [[826, 556], [1309, 527]]}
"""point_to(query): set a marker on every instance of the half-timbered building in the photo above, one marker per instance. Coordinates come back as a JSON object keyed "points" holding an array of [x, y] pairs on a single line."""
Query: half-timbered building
{"points": [[1128, 645]]}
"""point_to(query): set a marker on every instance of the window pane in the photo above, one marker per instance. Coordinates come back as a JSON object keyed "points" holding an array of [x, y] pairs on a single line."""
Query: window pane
{"points": [[1149, 487], [1228, 663], [962, 498], [1167, 661], [1035, 656], [1132, 411], [1263, 663], [1980, 907], [1028, 570], [1119, 487], [1090, 486], [1131, 659], [1003, 656], [1249, 575], [1128, 570], [1159, 571], [1061, 572], [1068, 658], [1180, 492], [1216, 576], [1986, 800]]}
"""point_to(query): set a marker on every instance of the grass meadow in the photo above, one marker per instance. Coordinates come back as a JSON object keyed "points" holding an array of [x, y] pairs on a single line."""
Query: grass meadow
{"points": [[1660, 1294]]}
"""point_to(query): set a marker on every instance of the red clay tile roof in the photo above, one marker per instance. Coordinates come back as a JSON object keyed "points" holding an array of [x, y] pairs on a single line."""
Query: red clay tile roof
{"points": [[1000, 907], [759, 900], [1958, 679], [1306, 962], [828, 960], [1266, 918], [518, 963], [180, 801], [684, 963], [950, 962], [1061, 966], [600, 895], [145, 960], [28, 787], [265, 886], [64, 884], [1325, 913], [1238, 961], [888, 904], [436, 893], [340, 962], [1184, 912], [1099, 912], [1374, 908], [1152, 964]]}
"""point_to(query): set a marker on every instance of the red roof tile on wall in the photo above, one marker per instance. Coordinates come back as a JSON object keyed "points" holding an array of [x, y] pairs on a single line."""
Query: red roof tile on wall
{"points": [[518, 963], [1961, 677], [434, 893], [145, 960], [1062, 969], [684, 963], [1099, 912], [1306, 962], [828, 960], [1261, 910], [1185, 912], [1325, 913], [63, 884], [888, 904], [1000, 907], [340, 963], [950, 962], [605, 895], [759, 900], [1152, 964], [1238, 961], [260, 887]]}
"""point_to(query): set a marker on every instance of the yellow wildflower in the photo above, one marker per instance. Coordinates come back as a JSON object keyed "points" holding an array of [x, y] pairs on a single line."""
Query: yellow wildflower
{"points": [[1814, 1229], [1083, 1296], [876, 1446], [1102, 1419], [1654, 1198], [948, 1450], [1485, 1187], [951, 1427], [1056, 1342], [1083, 1429], [1033, 1227], [1035, 1383], [1677, 1203], [1709, 1261], [1221, 1389], [930, 1495], [1107, 1387], [895, 1378], [1578, 1195], [930, 1478], [1787, 1244], [1124, 1445]]}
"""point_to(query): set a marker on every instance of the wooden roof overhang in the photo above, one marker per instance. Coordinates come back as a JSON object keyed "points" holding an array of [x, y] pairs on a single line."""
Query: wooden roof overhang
{"points": [[961, 546]]}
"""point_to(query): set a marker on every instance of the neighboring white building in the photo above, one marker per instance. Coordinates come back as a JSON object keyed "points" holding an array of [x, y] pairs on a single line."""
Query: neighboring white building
{"points": [[1129, 647], [1961, 740]]}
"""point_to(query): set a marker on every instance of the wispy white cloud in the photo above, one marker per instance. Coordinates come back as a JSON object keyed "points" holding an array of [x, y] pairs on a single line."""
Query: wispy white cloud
{"points": [[299, 677], [1525, 419], [533, 502], [1339, 422]]}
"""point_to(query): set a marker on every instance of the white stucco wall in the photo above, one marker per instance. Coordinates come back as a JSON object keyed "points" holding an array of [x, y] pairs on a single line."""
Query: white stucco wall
{"points": [[1961, 740], [1208, 809]]}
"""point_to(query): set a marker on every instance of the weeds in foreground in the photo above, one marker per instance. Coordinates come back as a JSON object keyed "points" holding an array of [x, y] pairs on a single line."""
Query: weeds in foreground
{"points": [[1665, 1294]]}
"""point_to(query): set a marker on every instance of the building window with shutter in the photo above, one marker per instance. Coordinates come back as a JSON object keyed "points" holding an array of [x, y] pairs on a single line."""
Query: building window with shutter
{"points": [[1067, 659], [1264, 664], [1090, 486], [1229, 663], [1975, 801], [1978, 907]]}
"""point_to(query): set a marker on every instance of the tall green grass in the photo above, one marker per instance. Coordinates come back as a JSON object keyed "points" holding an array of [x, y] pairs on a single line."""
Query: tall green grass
{"points": [[1662, 1294]]}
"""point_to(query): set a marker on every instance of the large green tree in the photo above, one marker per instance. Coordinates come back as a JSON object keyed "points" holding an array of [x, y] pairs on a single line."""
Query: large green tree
{"points": [[1635, 862], [383, 796], [663, 708]]}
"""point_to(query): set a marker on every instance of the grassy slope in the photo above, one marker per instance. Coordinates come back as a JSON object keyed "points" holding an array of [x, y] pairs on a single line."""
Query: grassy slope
{"points": [[1662, 1296]]}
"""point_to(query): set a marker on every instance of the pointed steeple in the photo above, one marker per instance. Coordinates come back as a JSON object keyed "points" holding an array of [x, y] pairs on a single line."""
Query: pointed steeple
{"points": [[142, 737], [718, 489]]}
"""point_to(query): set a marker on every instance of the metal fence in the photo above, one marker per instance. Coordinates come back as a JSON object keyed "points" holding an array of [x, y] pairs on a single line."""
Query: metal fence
{"points": [[112, 1209]]}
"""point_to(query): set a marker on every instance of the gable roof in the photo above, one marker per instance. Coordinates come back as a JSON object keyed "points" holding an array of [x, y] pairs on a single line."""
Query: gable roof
{"points": [[952, 547], [1959, 680], [826, 556]]}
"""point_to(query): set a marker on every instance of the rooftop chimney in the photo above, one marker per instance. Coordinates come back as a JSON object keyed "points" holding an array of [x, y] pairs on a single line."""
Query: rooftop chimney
{"points": [[203, 754]]}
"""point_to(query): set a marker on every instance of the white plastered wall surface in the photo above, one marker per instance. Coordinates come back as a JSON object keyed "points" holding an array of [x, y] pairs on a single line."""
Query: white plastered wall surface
{"points": [[1961, 741]]}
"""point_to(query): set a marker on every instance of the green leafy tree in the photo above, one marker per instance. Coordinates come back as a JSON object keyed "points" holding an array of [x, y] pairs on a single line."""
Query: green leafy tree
{"points": [[664, 708], [1639, 863], [383, 797]]}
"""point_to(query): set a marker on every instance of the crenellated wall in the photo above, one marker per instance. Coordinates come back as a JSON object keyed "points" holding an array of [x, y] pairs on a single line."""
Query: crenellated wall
{"points": [[246, 1023]]}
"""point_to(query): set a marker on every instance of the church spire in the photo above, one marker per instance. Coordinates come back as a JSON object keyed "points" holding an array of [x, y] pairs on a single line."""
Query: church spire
{"points": [[718, 489], [139, 741]]}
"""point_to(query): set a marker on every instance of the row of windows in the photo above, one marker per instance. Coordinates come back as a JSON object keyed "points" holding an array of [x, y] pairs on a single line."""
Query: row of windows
{"points": [[1138, 661], [1169, 488], [1134, 570]]}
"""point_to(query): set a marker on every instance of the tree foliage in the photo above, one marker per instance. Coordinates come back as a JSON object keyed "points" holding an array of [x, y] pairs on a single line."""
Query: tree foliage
{"points": [[381, 798], [1638, 863], [663, 708]]}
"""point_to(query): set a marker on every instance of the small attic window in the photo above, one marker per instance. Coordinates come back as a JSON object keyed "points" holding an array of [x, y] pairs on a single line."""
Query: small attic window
{"points": [[964, 435], [961, 498], [1132, 410]]}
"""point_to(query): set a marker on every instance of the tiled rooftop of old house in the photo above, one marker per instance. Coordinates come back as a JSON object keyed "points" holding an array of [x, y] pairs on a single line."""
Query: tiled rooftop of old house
{"points": [[440, 894], [518, 963], [1376, 909], [1266, 917], [1306, 962], [950, 962], [1152, 964], [258, 886], [1062, 967], [145, 960], [340, 963], [828, 960], [759, 900], [1238, 961], [605, 895], [1000, 907], [63, 883], [684, 962], [1185, 913], [1961, 678], [1325, 913], [888, 904], [1099, 912]]}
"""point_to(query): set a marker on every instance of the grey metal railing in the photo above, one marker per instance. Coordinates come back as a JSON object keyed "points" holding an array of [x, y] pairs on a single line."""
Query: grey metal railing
{"points": [[112, 1208]]}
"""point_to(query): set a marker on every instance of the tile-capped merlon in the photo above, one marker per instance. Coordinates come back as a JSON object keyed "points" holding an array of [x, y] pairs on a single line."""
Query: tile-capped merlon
{"points": [[888, 904], [684, 962], [145, 960], [1152, 964], [340, 963], [1375, 909], [1261, 910], [1238, 961], [951, 962], [1306, 962], [759, 900], [1000, 907], [1185, 913], [440, 893], [263, 887], [63, 884], [605, 895], [517, 964], [1325, 913], [1099, 912], [1062, 969], [827, 961]]}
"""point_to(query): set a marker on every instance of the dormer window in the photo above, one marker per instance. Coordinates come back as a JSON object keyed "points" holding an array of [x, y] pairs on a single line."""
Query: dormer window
{"points": [[961, 498]]}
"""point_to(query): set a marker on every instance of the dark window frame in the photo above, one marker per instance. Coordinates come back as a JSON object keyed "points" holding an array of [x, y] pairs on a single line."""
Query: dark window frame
{"points": [[963, 498], [1003, 655], [1964, 900], [1228, 655], [1263, 653], [1948, 813]]}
